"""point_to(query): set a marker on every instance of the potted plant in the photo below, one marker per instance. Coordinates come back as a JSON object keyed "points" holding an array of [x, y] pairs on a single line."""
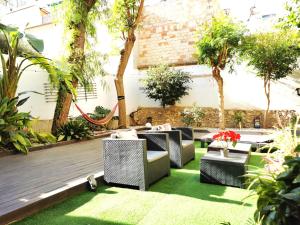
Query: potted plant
{"points": [[238, 118], [226, 137], [192, 116]]}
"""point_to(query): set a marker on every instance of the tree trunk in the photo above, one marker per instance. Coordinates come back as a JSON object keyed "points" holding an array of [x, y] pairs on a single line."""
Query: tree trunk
{"points": [[62, 109], [217, 76], [76, 60], [125, 55], [267, 87], [121, 102]]}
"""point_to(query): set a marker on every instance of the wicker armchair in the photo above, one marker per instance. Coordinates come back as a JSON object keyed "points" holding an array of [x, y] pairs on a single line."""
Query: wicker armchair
{"points": [[182, 149], [136, 162]]}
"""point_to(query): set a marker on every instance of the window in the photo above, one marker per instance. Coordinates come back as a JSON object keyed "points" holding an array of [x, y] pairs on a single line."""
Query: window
{"points": [[15, 4], [51, 94]]}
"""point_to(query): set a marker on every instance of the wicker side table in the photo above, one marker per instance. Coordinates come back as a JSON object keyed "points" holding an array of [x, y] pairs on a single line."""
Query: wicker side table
{"points": [[225, 171], [238, 148]]}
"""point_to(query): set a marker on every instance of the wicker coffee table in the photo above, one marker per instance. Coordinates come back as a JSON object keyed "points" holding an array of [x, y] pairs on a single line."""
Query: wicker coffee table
{"points": [[216, 169], [238, 148]]}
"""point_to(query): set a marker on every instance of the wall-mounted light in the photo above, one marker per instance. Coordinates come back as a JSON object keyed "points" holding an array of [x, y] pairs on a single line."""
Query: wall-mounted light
{"points": [[298, 91]]}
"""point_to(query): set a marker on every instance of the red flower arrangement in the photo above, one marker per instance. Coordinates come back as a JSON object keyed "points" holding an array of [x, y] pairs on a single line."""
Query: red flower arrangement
{"points": [[227, 136]]}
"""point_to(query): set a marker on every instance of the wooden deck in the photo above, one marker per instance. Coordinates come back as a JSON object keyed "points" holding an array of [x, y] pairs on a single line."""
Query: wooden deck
{"points": [[41, 178]]}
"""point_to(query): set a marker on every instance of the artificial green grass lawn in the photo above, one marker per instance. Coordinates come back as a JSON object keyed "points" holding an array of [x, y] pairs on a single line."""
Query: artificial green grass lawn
{"points": [[177, 199]]}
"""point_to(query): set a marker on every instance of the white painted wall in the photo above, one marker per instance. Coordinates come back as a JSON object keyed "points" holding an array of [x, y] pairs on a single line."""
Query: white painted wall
{"points": [[242, 90]]}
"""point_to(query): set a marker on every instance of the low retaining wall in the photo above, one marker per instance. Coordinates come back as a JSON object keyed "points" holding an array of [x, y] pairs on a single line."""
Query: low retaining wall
{"points": [[173, 115]]}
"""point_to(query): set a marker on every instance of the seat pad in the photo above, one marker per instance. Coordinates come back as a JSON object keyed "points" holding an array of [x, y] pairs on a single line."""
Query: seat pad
{"points": [[186, 143], [155, 155]]}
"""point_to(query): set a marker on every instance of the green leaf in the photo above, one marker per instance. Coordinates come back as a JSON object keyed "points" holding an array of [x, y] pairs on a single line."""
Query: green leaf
{"points": [[35, 43], [297, 149], [60, 137], [20, 139], [285, 175], [21, 148], [22, 101], [2, 121], [292, 196], [297, 179]]}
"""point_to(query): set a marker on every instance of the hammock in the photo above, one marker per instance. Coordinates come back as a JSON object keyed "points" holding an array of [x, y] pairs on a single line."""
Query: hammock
{"points": [[100, 122]]}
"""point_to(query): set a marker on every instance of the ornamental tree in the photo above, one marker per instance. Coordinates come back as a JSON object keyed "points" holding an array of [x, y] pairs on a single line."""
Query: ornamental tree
{"points": [[273, 55], [217, 46], [166, 85], [125, 17]]}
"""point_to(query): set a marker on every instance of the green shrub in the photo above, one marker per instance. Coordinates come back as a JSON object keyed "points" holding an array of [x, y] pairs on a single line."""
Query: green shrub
{"points": [[74, 130], [100, 112], [12, 125], [192, 116], [15, 131], [166, 85]]}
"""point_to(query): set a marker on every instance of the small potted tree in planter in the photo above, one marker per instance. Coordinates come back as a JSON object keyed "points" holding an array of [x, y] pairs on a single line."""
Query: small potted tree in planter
{"points": [[238, 119], [192, 116], [166, 85]]}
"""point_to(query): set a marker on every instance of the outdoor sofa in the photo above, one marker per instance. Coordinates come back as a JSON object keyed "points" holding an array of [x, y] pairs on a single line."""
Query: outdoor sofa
{"points": [[136, 161], [182, 149]]}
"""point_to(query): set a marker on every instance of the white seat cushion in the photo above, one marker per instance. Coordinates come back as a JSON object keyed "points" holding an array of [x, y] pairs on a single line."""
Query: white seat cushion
{"points": [[154, 155], [167, 127], [186, 143], [131, 134]]}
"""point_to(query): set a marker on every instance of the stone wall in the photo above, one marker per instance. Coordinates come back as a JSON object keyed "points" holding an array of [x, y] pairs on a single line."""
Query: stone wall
{"points": [[168, 31], [173, 115]]}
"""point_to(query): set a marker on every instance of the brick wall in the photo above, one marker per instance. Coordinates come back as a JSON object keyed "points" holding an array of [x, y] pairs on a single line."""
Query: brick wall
{"points": [[168, 31], [211, 119]]}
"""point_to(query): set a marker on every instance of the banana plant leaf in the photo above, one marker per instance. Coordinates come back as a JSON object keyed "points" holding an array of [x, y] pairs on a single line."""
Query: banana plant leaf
{"points": [[29, 44]]}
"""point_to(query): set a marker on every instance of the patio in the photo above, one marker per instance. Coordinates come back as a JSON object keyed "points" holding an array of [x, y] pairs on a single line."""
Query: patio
{"points": [[180, 110], [178, 199]]}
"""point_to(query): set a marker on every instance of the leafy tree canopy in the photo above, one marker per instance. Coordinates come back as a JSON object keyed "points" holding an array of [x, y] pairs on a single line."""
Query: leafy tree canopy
{"points": [[124, 15], [272, 54], [219, 40], [292, 19]]}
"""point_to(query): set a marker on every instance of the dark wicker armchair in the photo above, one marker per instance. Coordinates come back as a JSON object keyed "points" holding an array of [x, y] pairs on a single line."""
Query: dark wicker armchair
{"points": [[182, 149], [136, 162]]}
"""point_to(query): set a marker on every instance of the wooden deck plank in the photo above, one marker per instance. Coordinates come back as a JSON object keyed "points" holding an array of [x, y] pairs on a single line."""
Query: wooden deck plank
{"points": [[46, 186], [29, 180], [52, 174]]}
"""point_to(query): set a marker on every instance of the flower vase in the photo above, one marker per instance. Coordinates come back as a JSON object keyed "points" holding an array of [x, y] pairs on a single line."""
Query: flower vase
{"points": [[224, 152]]}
